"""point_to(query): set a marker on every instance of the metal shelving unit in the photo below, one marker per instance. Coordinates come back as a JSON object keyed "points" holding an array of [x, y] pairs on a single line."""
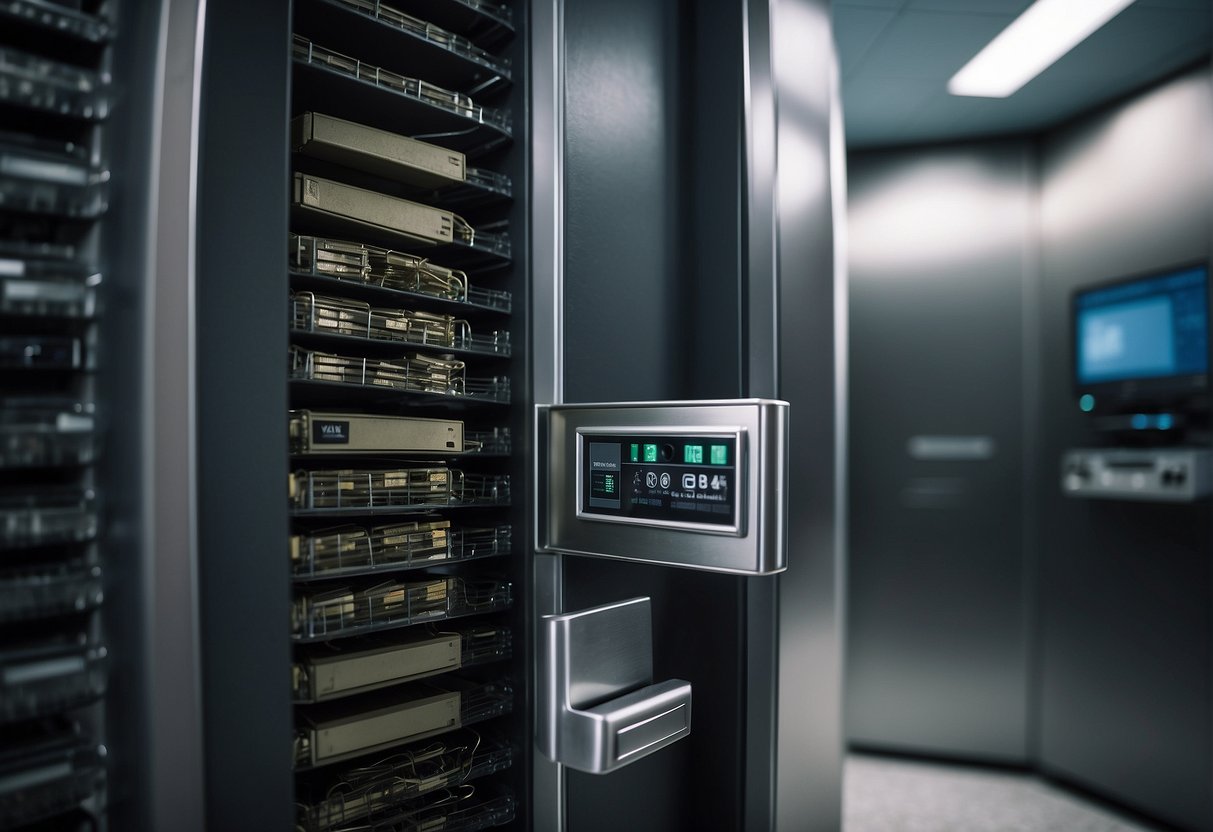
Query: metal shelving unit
{"points": [[57, 93], [400, 306]]}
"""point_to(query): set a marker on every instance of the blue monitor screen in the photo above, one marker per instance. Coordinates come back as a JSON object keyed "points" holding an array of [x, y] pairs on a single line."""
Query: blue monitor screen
{"points": [[1151, 328]]}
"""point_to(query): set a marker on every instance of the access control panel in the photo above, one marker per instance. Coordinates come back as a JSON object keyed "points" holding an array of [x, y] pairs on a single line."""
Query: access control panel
{"points": [[663, 479], [1176, 475], [695, 484]]}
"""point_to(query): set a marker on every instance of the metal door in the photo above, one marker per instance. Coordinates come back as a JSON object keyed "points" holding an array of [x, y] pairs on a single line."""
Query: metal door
{"points": [[679, 255]]}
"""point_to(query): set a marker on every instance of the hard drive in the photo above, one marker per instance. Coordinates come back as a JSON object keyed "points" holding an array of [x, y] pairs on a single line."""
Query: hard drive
{"points": [[332, 675], [340, 738], [323, 432], [377, 151], [356, 208]]}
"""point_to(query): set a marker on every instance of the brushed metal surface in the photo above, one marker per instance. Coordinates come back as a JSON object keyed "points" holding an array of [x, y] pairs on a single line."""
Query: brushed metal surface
{"points": [[547, 92], [761, 546], [938, 642], [598, 708]]}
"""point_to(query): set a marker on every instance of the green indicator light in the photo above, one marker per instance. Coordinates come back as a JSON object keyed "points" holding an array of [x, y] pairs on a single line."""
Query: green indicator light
{"points": [[635, 452], [692, 453], [719, 454], [608, 484], [1087, 403], [650, 453]]}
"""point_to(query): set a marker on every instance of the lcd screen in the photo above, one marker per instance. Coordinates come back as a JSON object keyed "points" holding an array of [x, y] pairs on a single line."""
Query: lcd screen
{"points": [[1149, 328], [688, 480]]}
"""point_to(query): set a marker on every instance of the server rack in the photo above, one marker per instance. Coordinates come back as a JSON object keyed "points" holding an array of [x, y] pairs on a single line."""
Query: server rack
{"points": [[58, 249], [276, 729], [379, 632]]}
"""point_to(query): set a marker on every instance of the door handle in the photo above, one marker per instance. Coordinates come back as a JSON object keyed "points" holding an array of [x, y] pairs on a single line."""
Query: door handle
{"points": [[598, 707]]}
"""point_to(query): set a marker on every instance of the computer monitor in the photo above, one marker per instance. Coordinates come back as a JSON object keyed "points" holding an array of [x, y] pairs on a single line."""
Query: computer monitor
{"points": [[1143, 343]]}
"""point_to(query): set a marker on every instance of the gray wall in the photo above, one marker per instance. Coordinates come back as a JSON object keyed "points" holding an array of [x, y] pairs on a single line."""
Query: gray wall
{"points": [[1125, 646], [1088, 650], [941, 257]]}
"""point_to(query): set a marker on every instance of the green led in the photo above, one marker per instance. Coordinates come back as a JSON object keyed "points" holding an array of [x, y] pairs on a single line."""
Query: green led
{"points": [[719, 454], [692, 454], [608, 484], [635, 452], [1087, 403], [650, 453]]}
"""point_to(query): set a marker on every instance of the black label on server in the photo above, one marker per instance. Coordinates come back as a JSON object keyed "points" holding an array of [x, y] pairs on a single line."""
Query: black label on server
{"points": [[330, 432]]}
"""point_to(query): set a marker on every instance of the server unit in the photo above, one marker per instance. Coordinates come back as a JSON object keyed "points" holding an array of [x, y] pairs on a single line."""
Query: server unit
{"points": [[73, 107]]}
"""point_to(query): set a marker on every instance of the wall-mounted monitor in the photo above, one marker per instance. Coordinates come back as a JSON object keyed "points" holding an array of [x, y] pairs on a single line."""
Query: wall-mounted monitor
{"points": [[1143, 343]]}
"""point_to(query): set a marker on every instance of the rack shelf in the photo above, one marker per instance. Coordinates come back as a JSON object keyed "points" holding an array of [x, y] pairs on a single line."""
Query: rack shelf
{"points": [[49, 86], [46, 591], [46, 771], [351, 551], [484, 21], [341, 730], [377, 793], [46, 517], [42, 288], [407, 43], [356, 666], [343, 612], [361, 491], [413, 373], [49, 678], [384, 273], [345, 86], [56, 18], [343, 321], [44, 433]]}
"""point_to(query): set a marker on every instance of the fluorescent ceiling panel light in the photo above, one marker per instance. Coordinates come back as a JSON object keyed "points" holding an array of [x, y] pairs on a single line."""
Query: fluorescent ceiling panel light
{"points": [[1047, 30]]}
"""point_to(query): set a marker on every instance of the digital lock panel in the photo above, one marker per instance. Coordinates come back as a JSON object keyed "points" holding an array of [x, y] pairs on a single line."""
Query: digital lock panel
{"points": [[661, 479], [701, 485]]}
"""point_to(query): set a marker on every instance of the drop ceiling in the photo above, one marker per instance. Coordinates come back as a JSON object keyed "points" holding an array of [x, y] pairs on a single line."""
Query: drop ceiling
{"points": [[896, 57]]}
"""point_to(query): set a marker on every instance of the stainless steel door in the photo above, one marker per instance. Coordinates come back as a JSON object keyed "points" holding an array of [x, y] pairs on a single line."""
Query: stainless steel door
{"points": [[660, 272]]}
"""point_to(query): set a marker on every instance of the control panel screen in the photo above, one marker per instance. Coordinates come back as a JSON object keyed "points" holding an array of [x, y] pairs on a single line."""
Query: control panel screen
{"points": [[688, 480], [1149, 328]]}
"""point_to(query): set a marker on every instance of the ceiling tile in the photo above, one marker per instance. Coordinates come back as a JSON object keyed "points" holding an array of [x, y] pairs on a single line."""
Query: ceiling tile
{"points": [[855, 29], [875, 4], [894, 83], [1188, 5], [880, 103], [931, 45], [1133, 40], [1011, 7]]}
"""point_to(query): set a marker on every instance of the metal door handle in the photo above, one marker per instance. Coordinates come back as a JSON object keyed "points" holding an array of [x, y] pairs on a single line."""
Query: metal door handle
{"points": [[598, 707]]}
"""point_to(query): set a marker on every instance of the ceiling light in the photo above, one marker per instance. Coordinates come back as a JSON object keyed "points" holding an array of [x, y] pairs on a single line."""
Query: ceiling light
{"points": [[1047, 30]]}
